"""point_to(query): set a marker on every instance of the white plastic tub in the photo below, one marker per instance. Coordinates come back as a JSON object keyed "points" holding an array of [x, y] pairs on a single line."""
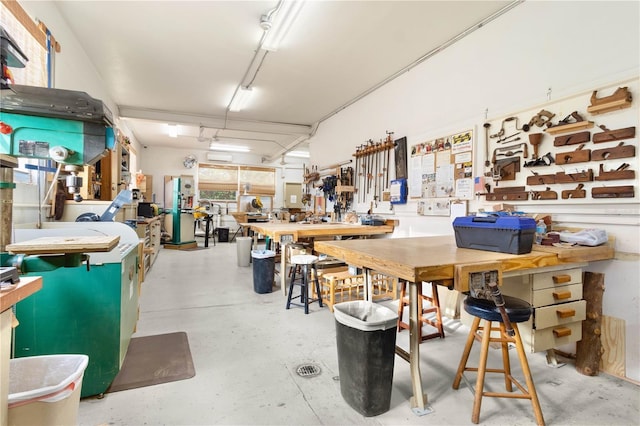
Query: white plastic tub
{"points": [[45, 389]]}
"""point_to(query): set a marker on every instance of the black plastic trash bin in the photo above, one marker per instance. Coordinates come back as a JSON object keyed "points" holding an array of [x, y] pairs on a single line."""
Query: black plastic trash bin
{"points": [[366, 340], [263, 270], [223, 235]]}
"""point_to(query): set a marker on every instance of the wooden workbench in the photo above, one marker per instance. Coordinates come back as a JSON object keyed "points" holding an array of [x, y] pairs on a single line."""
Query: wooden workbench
{"points": [[26, 287], [435, 259], [285, 233]]}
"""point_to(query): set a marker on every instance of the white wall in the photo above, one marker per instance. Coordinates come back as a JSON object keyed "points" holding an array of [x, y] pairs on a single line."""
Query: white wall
{"points": [[501, 69]]}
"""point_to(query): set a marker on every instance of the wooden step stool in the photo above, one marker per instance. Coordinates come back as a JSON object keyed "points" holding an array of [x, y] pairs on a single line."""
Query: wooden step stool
{"points": [[435, 307], [384, 286]]}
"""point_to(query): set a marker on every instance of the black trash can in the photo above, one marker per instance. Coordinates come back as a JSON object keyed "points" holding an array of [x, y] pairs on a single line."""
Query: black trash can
{"points": [[366, 340], [263, 270], [223, 235]]}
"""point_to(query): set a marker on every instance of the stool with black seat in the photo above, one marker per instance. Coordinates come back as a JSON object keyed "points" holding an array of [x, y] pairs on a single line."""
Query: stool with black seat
{"points": [[507, 312], [434, 307], [303, 262]]}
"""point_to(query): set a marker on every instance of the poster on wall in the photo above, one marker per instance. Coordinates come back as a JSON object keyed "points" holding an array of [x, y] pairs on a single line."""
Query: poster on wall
{"points": [[441, 170]]}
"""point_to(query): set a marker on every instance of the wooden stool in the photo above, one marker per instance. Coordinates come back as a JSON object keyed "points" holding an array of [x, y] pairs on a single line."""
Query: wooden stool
{"points": [[517, 311], [435, 307], [341, 287], [303, 261]]}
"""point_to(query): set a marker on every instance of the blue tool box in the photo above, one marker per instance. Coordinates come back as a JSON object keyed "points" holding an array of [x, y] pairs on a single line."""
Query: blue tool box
{"points": [[504, 234]]}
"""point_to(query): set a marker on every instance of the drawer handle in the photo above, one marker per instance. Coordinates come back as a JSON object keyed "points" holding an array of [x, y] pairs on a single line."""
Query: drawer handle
{"points": [[561, 294], [562, 331], [561, 279], [566, 313]]}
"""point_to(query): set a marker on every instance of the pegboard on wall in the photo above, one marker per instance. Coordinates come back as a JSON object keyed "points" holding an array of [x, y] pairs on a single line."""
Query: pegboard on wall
{"points": [[581, 149], [441, 170]]}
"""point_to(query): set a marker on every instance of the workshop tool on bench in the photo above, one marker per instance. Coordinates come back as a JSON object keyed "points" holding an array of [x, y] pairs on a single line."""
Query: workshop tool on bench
{"points": [[613, 135], [538, 179], [543, 118], [580, 155], [621, 98], [486, 126], [583, 176], [535, 140], [619, 151], [620, 173], [572, 139], [578, 192], [547, 194], [513, 193], [626, 191]]}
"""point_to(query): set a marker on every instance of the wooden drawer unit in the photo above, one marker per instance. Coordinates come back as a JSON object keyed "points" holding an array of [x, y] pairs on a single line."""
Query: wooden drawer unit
{"points": [[556, 296]]}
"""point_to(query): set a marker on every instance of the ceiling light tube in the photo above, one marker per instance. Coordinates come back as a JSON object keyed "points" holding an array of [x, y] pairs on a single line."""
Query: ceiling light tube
{"points": [[241, 99], [282, 21], [227, 148], [298, 154], [173, 130]]}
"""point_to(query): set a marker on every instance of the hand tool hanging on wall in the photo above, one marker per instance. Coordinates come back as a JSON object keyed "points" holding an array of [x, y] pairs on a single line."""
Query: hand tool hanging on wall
{"points": [[537, 179], [578, 192], [543, 118], [580, 155], [389, 145], [626, 191], [355, 183], [572, 139], [582, 176], [621, 95], [619, 151], [535, 140], [486, 126], [547, 194], [620, 173], [613, 135]]}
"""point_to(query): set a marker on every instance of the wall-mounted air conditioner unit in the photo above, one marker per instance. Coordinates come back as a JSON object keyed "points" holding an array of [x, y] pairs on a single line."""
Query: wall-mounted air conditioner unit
{"points": [[222, 158]]}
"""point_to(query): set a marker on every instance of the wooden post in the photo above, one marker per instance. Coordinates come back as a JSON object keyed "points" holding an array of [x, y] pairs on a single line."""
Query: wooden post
{"points": [[589, 349]]}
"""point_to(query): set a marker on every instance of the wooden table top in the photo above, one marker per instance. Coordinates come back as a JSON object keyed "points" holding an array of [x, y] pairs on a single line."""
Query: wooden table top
{"points": [[418, 259], [26, 287], [60, 245], [310, 230]]}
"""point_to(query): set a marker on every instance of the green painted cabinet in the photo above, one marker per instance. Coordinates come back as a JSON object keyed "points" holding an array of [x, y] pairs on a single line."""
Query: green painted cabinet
{"points": [[83, 312]]}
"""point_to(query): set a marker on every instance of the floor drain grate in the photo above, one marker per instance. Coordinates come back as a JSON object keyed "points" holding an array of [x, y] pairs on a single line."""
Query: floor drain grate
{"points": [[308, 370]]}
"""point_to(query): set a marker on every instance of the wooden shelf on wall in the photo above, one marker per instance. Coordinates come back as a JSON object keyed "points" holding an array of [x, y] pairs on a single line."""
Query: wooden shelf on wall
{"points": [[580, 125], [609, 106]]}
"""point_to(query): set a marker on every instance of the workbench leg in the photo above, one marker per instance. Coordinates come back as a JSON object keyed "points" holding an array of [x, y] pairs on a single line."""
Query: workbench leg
{"points": [[419, 403], [368, 285], [283, 267]]}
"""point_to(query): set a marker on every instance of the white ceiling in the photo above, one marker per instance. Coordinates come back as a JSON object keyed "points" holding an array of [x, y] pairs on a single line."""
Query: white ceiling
{"points": [[180, 61]]}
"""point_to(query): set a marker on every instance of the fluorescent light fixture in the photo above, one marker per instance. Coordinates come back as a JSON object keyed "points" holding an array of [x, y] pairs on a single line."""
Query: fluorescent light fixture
{"points": [[173, 130], [241, 99], [298, 154], [227, 148], [282, 21]]}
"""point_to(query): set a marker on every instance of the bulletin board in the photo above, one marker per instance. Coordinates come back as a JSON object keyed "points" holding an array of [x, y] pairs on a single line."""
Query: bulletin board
{"points": [[441, 170]]}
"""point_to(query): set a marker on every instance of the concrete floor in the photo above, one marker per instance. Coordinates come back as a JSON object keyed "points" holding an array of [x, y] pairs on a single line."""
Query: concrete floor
{"points": [[246, 348]]}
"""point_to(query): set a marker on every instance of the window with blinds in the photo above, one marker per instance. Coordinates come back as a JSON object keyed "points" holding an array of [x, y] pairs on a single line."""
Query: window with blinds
{"points": [[225, 182]]}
